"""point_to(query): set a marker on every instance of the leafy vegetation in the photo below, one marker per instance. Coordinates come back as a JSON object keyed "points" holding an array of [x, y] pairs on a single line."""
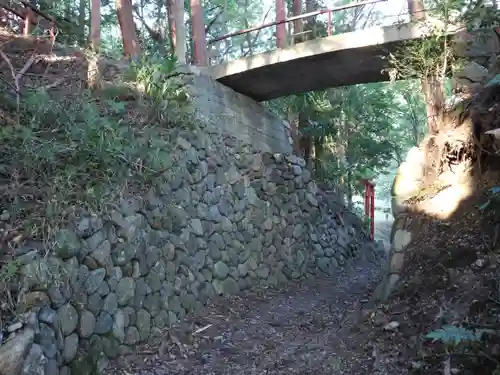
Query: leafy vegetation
{"points": [[495, 198], [452, 335], [80, 150], [152, 73], [358, 132]]}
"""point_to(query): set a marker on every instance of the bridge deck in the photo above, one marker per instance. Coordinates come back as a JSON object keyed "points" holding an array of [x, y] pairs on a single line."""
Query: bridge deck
{"points": [[338, 60]]}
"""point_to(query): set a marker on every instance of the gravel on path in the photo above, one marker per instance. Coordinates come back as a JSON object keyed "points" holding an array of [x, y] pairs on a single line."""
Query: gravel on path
{"points": [[307, 328]]}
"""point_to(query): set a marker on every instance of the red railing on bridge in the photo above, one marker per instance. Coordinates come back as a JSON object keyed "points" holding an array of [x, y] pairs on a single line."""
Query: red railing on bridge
{"points": [[283, 21], [200, 55]]}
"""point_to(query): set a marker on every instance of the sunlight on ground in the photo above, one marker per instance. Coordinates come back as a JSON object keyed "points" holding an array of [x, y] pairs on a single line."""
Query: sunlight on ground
{"points": [[446, 202]]}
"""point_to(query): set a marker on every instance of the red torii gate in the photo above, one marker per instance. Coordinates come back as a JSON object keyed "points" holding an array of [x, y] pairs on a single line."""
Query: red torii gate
{"points": [[370, 204]]}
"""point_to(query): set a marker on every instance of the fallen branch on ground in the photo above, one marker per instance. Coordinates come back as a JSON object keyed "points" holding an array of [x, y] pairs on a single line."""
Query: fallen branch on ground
{"points": [[17, 76]]}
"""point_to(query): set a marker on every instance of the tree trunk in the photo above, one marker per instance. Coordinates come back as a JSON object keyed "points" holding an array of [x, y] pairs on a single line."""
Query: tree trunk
{"points": [[247, 25], [415, 131], [310, 22], [297, 24], [171, 24], [432, 87], [68, 11], [305, 144], [95, 25], [180, 31], [319, 153], [349, 190], [127, 26], [3, 18], [294, 124], [81, 23], [198, 33], [28, 18], [416, 9]]}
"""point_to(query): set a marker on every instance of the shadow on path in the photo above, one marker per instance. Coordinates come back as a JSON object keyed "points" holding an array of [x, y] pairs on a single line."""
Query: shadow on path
{"points": [[304, 329]]}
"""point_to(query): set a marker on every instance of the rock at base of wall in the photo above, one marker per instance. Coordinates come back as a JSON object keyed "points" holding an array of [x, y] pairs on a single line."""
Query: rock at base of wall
{"points": [[407, 180], [14, 351]]}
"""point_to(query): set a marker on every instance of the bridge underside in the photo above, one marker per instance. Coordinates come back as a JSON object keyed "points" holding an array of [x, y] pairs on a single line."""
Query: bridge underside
{"points": [[318, 72], [339, 60]]}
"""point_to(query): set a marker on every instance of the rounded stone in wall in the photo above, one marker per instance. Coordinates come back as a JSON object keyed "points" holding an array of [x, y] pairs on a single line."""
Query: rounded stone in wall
{"points": [[161, 320], [129, 313], [87, 324], [104, 323], [396, 262], [46, 338], [51, 367], [70, 347], [94, 303], [143, 324], [125, 290], [110, 303], [64, 370], [68, 319], [407, 180], [401, 239], [111, 347], [95, 345], [131, 336]]}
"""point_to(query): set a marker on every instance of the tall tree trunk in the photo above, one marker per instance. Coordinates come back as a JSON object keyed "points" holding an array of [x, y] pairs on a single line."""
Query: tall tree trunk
{"points": [[305, 142], [416, 9], [344, 157], [81, 22], [310, 22], [297, 24], [247, 25], [349, 189], [294, 124], [432, 87], [68, 10], [348, 165], [319, 153], [127, 26], [95, 25], [415, 131], [180, 31], [28, 18], [198, 33], [171, 24], [3, 18]]}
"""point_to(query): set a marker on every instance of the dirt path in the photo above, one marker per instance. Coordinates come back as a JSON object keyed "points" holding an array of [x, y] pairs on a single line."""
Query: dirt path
{"points": [[305, 329], [383, 231]]}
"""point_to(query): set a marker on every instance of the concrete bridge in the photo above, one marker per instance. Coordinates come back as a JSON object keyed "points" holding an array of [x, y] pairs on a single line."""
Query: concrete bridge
{"points": [[339, 60], [336, 60]]}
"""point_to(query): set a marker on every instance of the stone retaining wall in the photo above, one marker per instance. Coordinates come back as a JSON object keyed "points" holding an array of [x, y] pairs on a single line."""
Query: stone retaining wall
{"points": [[224, 218], [237, 114]]}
